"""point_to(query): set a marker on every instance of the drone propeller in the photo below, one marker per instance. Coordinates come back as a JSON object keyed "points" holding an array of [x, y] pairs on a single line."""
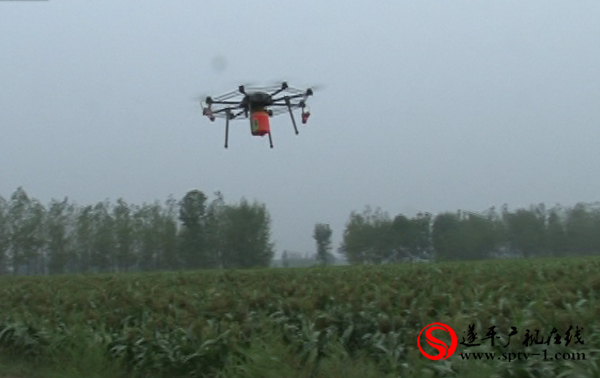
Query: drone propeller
{"points": [[246, 83], [202, 98], [281, 80], [317, 87], [278, 83], [199, 98]]}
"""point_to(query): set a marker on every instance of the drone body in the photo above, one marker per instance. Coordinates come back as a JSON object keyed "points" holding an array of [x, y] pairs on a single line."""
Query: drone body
{"points": [[258, 105]]}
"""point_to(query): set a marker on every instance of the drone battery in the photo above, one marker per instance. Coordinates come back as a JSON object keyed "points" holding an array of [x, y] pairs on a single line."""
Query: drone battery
{"points": [[260, 123]]}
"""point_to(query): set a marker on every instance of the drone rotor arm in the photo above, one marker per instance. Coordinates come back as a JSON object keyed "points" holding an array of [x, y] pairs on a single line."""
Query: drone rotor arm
{"points": [[220, 102], [280, 108], [294, 96], [284, 106], [267, 89], [283, 87], [227, 96], [222, 113], [296, 91], [234, 116]]}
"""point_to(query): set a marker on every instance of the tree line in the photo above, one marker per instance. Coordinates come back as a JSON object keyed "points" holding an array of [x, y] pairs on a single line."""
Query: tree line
{"points": [[192, 233], [373, 237], [198, 233]]}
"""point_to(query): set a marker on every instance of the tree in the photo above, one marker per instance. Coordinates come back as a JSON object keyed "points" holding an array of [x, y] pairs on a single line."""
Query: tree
{"points": [[59, 240], [215, 228], [322, 235], [527, 230], [147, 221], [581, 230], [556, 236], [480, 237], [124, 235], [446, 236], [25, 222], [34, 254], [83, 233], [465, 235], [193, 236], [246, 236], [355, 243], [4, 235], [368, 238], [411, 237], [169, 258], [102, 256]]}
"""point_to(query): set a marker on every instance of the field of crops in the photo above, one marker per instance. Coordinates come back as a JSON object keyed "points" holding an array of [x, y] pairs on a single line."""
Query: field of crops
{"points": [[310, 322]]}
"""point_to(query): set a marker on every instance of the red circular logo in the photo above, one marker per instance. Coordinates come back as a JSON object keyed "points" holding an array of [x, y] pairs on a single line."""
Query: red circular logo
{"points": [[440, 346]]}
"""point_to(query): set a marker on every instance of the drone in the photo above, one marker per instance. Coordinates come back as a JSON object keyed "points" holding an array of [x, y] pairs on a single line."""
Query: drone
{"points": [[257, 104]]}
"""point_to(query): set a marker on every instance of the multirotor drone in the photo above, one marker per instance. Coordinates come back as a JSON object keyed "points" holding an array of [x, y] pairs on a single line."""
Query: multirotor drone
{"points": [[257, 104]]}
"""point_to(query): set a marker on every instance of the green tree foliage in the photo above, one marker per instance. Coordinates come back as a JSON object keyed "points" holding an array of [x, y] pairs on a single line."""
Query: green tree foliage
{"points": [[216, 217], [197, 233], [25, 223], [107, 237], [368, 238], [371, 237], [465, 236], [480, 236], [193, 237], [147, 221], [103, 238], [322, 235], [582, 226], [411, 238], [59, 241], [527, 230], [447, 236], [246, 236], [168, 255], [556, 235], [83, 232], [124, 235], [4, 235]]}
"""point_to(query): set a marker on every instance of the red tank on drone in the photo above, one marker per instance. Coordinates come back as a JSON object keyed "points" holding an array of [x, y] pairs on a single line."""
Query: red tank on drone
{"points": [[258, 104]]}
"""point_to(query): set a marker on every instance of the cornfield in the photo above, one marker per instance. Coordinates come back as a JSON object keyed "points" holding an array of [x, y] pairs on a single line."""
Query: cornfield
{"points": [[226, 323]]}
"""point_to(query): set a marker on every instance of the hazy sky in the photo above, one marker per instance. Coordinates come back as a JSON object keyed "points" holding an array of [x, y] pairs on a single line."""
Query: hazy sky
{"points": [[427, 105]]}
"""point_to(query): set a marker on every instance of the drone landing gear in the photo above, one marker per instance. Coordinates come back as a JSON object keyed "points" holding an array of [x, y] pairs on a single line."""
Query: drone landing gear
{"points": [[227, 127], [287, 102]]}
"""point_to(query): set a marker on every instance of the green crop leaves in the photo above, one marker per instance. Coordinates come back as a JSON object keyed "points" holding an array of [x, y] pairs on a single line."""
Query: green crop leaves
{"points": [[201, 324]]}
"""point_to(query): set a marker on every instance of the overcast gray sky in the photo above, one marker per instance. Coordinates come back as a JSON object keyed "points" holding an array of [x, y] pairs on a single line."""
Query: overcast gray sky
{"points": [[428, 105]]}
